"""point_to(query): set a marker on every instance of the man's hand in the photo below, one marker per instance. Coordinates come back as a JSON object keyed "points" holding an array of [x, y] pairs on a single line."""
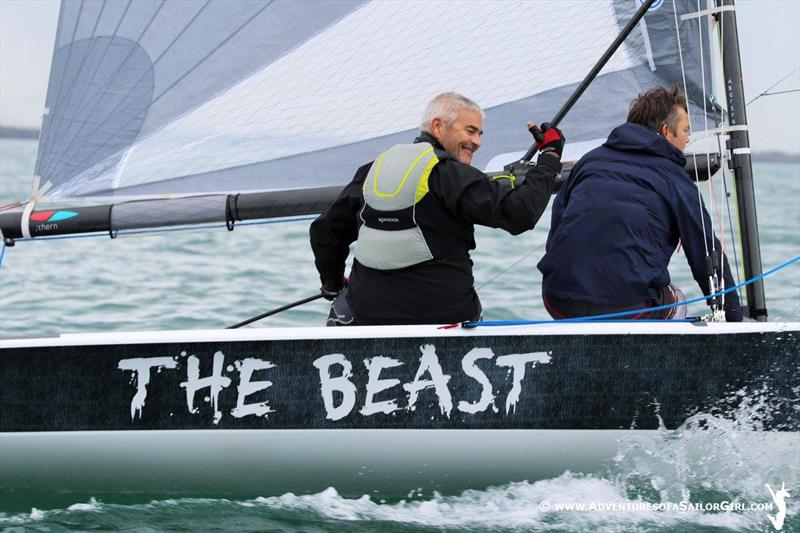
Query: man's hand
{"points": [[331, 290], [549, 139]]}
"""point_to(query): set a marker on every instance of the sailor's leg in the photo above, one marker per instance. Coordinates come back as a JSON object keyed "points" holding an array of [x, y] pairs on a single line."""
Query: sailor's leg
{"points": [[671, 295], [478, 316], [340, 314], [680, 311]]}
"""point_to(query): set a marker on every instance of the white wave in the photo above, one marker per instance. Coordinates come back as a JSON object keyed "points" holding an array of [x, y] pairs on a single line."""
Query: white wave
{"points": [[39, 515], [92, 505], [516, 506]]}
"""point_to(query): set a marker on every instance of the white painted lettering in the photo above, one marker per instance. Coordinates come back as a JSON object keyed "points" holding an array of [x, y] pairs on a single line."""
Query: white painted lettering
{"points": [[215, 382], [470, 369], [342, 383], [247, 387], [517, 362], [140, 367], [376, 385], [429, 363]]}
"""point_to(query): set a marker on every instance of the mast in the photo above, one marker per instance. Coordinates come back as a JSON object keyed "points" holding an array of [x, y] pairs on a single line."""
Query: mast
{"points": [[740, 162]]}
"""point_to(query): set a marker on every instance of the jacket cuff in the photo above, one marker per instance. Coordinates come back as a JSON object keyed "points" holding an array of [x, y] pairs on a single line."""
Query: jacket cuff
{"points": [[550, 162]]}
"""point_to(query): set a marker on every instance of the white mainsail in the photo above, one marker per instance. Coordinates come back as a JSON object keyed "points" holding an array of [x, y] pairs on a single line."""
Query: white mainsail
{"points": [[150, 98]]}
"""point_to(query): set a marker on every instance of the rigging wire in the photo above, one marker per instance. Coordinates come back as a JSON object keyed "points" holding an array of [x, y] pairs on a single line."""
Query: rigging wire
{"points": [[795, 312], [712, 275], [12, 205], [685, 92], [781, 92], [597, 318], [767, 93], [515, 263]]}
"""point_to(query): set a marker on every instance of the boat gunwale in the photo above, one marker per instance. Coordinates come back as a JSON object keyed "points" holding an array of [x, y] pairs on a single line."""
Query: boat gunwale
{"points": [[413, 331]]}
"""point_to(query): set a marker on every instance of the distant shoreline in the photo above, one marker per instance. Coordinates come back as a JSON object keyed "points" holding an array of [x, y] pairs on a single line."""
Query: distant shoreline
{"points": [[775, 157], [7, 132]]}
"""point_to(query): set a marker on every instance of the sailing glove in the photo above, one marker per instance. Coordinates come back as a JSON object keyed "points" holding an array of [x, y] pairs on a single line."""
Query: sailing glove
{"points": [[548, 138], [331, 290]]}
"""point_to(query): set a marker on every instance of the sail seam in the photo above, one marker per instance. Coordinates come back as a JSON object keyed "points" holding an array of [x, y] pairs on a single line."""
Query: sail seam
{"points": [[95, 103], [89, 101]]}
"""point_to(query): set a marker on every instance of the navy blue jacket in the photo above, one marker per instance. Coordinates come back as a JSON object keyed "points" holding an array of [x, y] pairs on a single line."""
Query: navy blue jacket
{"points": [[618, 220]]}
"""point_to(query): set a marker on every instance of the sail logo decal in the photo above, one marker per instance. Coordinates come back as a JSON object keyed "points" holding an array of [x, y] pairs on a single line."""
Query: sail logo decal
{"points": [[654, 7], [52, 216]]}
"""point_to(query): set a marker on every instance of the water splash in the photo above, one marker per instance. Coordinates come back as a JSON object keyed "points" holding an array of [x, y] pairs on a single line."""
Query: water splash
{"points": [[721, 455]]}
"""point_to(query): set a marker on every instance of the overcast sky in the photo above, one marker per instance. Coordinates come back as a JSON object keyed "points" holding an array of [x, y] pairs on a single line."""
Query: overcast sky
{"points": [[769, 34]]}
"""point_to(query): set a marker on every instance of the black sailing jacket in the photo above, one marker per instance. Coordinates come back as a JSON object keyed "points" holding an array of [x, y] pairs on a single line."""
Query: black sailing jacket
{"points": [[618, 220], [440, 290]]}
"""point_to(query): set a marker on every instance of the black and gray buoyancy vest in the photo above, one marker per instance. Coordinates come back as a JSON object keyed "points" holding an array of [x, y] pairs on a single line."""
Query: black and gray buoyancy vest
{"points": [[390, 237]]}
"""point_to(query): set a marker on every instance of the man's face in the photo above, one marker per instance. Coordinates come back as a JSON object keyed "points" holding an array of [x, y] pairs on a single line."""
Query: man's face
{"points": [[462, 138], [680, 137]]}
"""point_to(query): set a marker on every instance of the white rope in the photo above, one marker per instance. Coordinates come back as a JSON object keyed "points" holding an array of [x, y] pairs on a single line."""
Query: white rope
{"points": [[720, 282], [37, 191], [683, 76], [711, 281], [724, 189]]}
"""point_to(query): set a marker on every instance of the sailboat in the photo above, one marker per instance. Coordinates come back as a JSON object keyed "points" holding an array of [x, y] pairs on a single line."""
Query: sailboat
{"points": [[166, 114]]}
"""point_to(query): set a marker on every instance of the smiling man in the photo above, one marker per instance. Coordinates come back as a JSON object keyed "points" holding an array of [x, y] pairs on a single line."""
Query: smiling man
{"points": [[412, 212]]}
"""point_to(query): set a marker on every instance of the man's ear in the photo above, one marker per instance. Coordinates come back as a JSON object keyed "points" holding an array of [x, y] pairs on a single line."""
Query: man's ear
{"points": [[437, 126], [664, 129]]}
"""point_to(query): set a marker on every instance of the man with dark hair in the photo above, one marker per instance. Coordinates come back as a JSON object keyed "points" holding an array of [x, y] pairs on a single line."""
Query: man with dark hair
{"points": [[412, 212], [620, 216]]}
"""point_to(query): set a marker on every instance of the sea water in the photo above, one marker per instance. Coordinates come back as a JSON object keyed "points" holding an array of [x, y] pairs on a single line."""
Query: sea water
{"points": [[212, 279]]}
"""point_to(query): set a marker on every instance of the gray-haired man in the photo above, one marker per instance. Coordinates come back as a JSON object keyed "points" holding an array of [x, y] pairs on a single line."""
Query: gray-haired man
{"points": [[412, 212]]}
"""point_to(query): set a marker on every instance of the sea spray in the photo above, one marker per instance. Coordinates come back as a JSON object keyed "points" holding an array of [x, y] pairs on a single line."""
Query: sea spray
{"points": [[723, 455]]}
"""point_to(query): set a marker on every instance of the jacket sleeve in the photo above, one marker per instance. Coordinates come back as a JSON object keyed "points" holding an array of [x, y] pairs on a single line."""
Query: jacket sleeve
{"points": [[335, 229], [693, 223], [560, 201], [478, 199]]}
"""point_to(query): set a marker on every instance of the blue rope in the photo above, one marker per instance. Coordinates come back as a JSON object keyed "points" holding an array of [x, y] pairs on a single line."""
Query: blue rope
{"points": [[634, 312], [125, 233], [2, 252]]}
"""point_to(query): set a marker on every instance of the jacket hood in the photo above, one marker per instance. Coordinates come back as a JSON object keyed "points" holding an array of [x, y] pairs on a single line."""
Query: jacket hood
{"points": [[631, 137]]}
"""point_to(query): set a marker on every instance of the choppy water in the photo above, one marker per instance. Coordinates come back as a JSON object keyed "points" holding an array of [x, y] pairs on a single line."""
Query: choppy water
{"points": [[190, 280]]}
